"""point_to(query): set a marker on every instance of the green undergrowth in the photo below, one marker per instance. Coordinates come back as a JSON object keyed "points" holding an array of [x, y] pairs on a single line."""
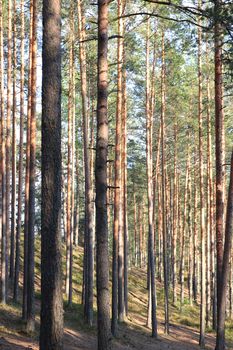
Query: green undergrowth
{"points": [[187, 316]]}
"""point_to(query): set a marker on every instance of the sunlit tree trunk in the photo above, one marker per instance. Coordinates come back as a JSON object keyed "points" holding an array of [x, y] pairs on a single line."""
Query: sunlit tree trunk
{"points": [[220, 339], [201, 184], [27, 172], [149, 161], [21, 153], [32, 172], [163, 166], [88, 197], [117, 261], [102, 263], [8, 136], [13, 148]]}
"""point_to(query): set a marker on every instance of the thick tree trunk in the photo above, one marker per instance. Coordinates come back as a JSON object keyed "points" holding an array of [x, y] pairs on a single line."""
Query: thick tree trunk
{"points": [[102, 267], [3, 167], [51, 331]]}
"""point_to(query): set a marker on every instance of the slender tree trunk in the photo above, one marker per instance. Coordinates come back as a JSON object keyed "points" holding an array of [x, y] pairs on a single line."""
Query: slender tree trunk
{"points": [[13, 147], [219, 151], [175, 215], [88, 197], [220, 340], [163, 165], [8, 136], [117, 260], [102, 268], [202, 204], [69, 243], [183, 237], [27, 174], [149, 160], [21, 152], [124, 185], [31, 209], [51, 331]]}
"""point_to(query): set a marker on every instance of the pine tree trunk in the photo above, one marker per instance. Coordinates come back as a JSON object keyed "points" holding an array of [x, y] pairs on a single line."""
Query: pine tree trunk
{"points": [[13, 147], [201, 184], [51, 331], [149, 160], [3, 167], [88, 194], [220, 339], [31, 208], [117, 260], [124, 188], [27, 174], [21, 153], [8, 136], [219, 151], [69, 243], [102, 267]]}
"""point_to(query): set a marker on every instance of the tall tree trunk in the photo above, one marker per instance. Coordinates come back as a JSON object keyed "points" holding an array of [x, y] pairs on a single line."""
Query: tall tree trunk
{"points": [[149, 160], [27, 173], [184, 227], [202, 204], [163, 165], [69, 243], [13, 148], [21, 152], [8, 136], [219, 149], [124, 188], [51, 329], [88, 196], [220, 339], [31, 209], [3, 167], [175, 216], [104, 340], [117, 260]]}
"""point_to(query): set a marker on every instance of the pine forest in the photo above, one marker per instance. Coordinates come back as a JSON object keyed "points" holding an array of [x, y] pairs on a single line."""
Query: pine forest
{"points": [[116, 174]]}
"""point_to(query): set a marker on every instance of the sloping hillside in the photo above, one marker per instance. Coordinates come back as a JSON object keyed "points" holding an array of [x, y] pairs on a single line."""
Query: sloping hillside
{"points": [[133, 334]]}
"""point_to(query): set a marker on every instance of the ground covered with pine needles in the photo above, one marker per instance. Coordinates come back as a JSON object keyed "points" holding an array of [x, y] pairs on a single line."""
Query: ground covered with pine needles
{"points": [[133, 333]]}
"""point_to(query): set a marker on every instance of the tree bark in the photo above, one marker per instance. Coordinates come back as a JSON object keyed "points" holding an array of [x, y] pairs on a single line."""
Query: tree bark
{"points": [[220, 339], [32, 169], [51, 330], [88, 194], [21, 153], [201, 184], [149, 160], [103, 318], [3, 166]]}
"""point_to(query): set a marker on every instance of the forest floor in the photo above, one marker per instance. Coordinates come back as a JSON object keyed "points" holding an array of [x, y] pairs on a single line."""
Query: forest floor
{"points": [[133, 333]]}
